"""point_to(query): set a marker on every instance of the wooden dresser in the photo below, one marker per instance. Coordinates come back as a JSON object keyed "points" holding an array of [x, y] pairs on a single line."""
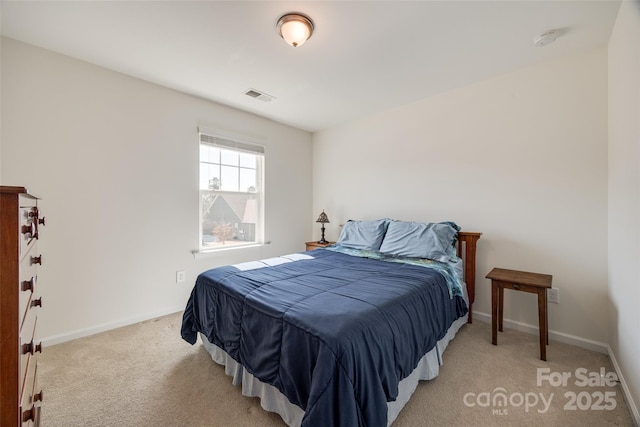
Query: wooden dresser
{"points": [[20, 222]]}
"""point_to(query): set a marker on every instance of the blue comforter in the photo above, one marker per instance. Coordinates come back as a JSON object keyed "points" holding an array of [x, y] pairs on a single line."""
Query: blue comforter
{"points": [[334, 333]]}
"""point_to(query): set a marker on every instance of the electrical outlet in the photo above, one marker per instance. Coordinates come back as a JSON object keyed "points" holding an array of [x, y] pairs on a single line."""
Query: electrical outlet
{"points": [[180, 276], [553, 295]]}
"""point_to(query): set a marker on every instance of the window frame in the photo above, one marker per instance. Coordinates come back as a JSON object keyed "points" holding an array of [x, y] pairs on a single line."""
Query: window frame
{"points": [[239, 144]]}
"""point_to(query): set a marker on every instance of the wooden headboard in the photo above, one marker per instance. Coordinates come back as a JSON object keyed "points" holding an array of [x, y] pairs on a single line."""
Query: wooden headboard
{"points": [[467, 251]]}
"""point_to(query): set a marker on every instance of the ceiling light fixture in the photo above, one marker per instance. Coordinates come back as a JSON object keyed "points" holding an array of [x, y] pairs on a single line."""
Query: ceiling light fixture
{"points": [[295, 28], [545, 38]]}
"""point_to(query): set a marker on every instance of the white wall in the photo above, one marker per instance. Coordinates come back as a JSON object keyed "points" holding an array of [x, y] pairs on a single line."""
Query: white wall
{"points": [[0, 98], [521, 158], [116, 162], [624, 195]]}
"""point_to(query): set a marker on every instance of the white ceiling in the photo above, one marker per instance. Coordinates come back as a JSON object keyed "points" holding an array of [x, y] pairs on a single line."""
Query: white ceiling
{"points": [[364, 56]]}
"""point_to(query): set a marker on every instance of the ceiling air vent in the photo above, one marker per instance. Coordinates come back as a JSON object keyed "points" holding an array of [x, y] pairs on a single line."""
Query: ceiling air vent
{"points": [[259, 95]]}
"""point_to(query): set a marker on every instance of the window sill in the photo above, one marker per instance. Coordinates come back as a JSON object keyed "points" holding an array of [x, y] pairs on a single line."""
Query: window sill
{"points": [[205, 253]]}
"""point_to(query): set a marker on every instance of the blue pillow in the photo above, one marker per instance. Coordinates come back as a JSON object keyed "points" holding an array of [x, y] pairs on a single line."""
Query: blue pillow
{"points": [[365, 235], [419, 240]]}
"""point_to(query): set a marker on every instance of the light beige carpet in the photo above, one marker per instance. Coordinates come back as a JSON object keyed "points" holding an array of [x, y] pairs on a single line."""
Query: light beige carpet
{"points": [[146, 375]]}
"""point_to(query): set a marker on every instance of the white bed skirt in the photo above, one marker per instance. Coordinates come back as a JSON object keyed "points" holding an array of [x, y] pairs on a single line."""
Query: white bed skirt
{"points": [[273, 401]]}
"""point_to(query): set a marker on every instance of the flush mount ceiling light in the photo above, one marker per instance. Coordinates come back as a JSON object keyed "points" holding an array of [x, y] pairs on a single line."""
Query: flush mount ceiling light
{"points": [[545, 38], [295, 28]]}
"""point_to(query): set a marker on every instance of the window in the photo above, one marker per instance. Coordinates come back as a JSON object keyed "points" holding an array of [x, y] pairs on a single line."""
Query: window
{"points": [[231, 192]]}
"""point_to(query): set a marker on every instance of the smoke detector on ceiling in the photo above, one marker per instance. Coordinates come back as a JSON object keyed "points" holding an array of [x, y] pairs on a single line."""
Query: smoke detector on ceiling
{"points": [[259, 95], [545, 38]]}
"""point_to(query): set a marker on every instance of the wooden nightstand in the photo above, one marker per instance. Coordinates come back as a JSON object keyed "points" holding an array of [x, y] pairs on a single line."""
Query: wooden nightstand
{"points": [[316, 245], [534, 283]]}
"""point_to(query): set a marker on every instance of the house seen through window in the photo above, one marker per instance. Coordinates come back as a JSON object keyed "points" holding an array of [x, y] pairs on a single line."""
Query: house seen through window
{"points": [[231, 192]]}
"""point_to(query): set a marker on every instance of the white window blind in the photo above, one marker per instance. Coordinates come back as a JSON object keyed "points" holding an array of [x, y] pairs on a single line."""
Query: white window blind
{"points": [[234, 145]]}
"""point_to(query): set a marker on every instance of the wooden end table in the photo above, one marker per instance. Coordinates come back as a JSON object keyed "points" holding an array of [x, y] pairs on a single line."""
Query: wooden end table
{"points": [[316, 245], [534, 283]]}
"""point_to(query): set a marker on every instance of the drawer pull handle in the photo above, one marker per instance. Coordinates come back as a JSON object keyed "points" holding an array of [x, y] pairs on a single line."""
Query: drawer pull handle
{"points": [[41, 221], [29, 285], [31, 229], [31, 348], [36, 302], [38, 397], [36, 260], [29, 414], [516, 287]]}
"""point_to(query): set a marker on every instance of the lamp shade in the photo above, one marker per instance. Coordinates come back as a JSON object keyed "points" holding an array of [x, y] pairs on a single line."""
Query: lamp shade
{"points": [[323, 218], [295, 28]]}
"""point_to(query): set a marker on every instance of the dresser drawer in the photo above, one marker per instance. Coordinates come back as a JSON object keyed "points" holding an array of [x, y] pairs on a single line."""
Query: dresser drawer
{"points": [[28, 346], [27, 286], [28, 228], [31, 396], [26, 391]]}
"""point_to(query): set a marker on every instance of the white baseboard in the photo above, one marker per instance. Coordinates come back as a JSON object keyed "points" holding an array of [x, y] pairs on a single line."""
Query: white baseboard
{"points": [[625, 388], [600, 347], [588, 344], [80, 333]]}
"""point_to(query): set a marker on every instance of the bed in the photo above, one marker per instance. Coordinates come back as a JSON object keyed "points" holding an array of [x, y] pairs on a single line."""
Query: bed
{"points": [[339, 336]]}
